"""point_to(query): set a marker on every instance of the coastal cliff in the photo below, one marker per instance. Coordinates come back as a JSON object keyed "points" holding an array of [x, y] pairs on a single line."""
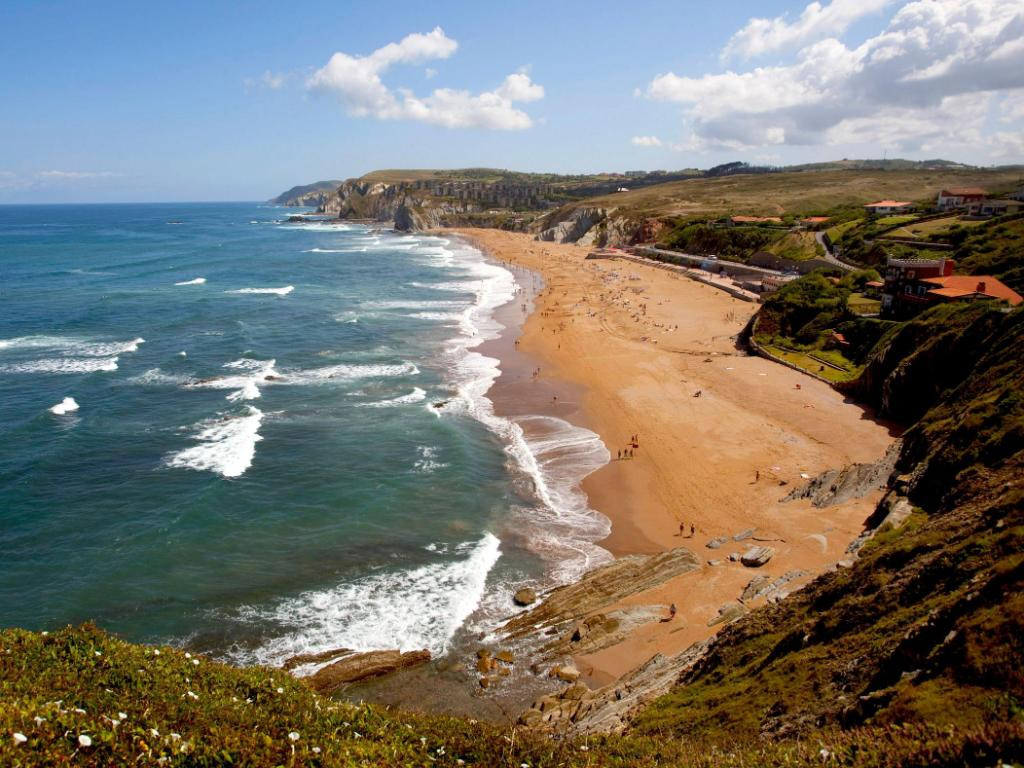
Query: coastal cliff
{"points": [[307, 195], [407, 208]]}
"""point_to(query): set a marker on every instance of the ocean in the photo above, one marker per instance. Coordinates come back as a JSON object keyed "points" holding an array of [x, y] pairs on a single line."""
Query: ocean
{"points": [[257, 438]]}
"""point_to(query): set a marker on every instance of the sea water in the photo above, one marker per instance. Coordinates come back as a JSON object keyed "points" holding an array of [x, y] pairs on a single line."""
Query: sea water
{"points": [[259, 437]]}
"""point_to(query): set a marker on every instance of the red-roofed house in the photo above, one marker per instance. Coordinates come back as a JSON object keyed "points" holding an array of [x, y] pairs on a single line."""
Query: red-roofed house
{"points": [[886, 207], [913, 284], [959, 197], [969, 287]]}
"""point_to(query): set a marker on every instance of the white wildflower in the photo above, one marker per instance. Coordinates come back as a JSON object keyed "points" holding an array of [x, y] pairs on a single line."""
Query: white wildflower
{"points": [[84, 741], [423, 740], [193, 696], [195, 662], [293, 735], [97, 653], [188, 655], [584, 748], [280, 690], [357, 734], [154, 733], [20, 738], [45, 633], [39, 720], [156, 651], [175, 736], [79, 710], [122, 715], [316, 750]]}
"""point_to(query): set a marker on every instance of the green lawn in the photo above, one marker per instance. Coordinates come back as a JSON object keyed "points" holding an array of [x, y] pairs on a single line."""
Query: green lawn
{"points": [[836, 232], [809, 364], [860, 304]]}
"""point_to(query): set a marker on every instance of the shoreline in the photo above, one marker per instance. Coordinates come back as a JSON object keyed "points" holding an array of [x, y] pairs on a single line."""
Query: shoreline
{"points": [[625, 347]]}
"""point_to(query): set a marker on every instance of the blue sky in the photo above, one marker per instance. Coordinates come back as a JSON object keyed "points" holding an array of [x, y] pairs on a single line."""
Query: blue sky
{"points": [[109, 101]]}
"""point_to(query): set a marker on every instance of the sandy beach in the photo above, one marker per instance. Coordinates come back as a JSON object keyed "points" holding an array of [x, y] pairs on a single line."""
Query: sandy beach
{"points": [[623, 348]]}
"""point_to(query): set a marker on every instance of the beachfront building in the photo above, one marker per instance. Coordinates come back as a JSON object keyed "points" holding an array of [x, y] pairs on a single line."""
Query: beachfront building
{"points": [[959, 197], [914, 284], [772, 283], [888, 207]]}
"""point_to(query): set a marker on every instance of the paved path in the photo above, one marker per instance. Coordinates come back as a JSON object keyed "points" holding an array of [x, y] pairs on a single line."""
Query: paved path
{"points": [[820, 237]]}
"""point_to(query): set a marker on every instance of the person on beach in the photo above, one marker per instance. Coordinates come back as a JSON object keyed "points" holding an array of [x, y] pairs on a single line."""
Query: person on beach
{"points": [[619, 458], [693, 530], [682, 529], [757, 475], [672, 611]]}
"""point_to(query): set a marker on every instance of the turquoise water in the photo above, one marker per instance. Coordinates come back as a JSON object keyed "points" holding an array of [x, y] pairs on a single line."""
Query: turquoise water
{"points": [[282, 441]]}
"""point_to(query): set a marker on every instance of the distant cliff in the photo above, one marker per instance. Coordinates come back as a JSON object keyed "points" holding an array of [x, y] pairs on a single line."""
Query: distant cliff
{"points": [[312, 195]]}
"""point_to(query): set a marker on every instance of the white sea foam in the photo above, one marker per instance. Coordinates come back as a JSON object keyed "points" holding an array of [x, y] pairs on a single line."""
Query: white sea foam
{"points": [[427, 463], [347, 372], [275, 291], [316, 226], [554, 454], [70, 346], [65, 406], [327, 250], [196, 281], [63, 365], [416, 396], [226, 444], [455, 286], [249, 376], [444, 317], [422, 607], [411, 304]]}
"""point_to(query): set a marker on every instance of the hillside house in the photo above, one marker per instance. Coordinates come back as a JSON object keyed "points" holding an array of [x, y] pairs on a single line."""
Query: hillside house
{"points": [[914, 284], [959, 197], [904, 291], [986, 208], [888, 207], [971, 288]]}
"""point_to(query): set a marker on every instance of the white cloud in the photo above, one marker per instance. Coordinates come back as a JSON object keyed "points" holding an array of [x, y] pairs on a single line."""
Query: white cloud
{"points": [[430, 73], [272, 80], [645, 141], [926, 80], [817, 21], [356, 80]]}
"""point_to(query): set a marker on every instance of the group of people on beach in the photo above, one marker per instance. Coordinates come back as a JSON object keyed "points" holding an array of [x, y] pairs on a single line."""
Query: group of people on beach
{"points": [[627, 452]]}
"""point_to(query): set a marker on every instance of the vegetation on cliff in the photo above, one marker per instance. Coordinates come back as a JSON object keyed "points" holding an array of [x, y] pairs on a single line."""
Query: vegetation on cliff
{"points": [[82, 697]]}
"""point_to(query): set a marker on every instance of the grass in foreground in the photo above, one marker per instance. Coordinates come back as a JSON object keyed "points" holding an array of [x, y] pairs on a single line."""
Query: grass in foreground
{"points": [[82, 697]]}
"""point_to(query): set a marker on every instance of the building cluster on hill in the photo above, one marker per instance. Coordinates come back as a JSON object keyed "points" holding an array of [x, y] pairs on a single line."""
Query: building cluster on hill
{"points": [[914, 284]]}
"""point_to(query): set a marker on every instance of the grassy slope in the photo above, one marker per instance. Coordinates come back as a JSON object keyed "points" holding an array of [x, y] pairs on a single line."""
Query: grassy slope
{"points": [[144, 706], [800, 193]]}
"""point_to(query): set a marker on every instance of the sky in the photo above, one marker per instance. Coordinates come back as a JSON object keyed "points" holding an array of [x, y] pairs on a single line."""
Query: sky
{"points": [[133, 102]]}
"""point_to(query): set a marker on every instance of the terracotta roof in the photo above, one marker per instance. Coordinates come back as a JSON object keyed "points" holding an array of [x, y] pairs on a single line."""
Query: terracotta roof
{"points": [[887, 203], [963, 192], [818, 219], [957, 286], [875, 283]]}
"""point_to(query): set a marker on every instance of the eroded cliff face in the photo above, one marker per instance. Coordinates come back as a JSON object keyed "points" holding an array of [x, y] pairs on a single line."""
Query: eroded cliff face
{"points": [[408, 209], [590, 227]]}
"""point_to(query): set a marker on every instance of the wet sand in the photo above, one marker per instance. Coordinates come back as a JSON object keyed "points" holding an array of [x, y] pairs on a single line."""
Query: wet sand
{"points": [[720, 462]]}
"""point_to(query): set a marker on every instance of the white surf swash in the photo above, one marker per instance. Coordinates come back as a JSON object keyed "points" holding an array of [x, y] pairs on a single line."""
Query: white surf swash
{"points": [[195, 281], [276, 291], [65, 406]]}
